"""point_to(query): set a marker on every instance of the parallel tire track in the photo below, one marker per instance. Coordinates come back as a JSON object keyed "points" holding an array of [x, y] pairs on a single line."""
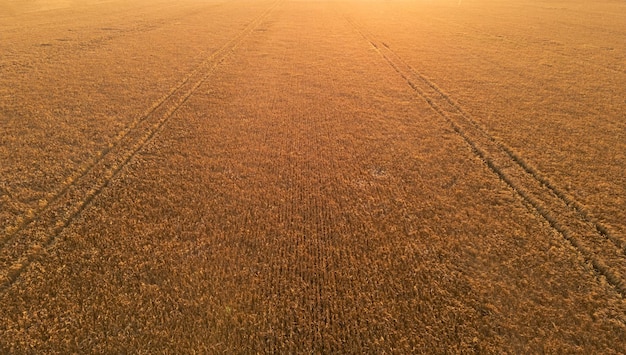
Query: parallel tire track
{"points": [[24, 220], [604, 251], [31, 239]]}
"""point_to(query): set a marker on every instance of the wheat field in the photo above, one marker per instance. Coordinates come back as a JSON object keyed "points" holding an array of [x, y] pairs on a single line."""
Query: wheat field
{"points": [[292, 176]]}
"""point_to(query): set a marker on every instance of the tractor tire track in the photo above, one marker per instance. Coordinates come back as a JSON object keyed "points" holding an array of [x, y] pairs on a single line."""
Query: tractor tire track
{"points": [[122, 135], [28, 212], [37, 234], [600, 227], [604, 251]]}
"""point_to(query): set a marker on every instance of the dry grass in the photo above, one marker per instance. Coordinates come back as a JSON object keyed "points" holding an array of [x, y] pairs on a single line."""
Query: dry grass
{"points": [[311, 177]]}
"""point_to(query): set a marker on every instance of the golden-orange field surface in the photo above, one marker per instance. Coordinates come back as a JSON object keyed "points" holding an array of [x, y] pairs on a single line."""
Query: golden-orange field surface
{"points": [[284, 176]]}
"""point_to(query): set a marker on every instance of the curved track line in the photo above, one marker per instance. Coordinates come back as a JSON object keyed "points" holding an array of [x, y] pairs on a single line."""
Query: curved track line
{"points": [[40, 232], [604, 251]]}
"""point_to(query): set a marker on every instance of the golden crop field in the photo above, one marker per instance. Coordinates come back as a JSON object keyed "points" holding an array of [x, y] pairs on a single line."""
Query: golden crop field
{"points": [[293, 176]]}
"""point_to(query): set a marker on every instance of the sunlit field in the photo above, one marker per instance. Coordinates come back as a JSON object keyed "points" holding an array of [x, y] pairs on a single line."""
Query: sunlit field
{"points": [[261, 176]]}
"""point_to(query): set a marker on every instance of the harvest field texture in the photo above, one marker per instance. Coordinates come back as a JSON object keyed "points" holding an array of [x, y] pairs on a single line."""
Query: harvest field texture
{"points": [[284, 176]]}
